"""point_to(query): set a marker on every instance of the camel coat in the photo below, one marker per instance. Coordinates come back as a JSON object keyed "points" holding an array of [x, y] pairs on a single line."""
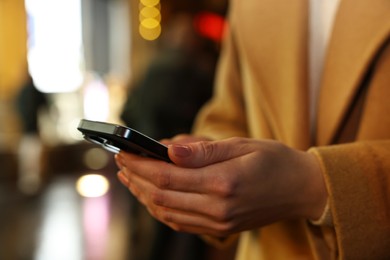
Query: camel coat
{"points": [[262, 92]]}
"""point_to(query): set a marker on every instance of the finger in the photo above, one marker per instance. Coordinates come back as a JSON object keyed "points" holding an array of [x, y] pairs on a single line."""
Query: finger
{"points": [[214, 180], [184, 221], [132, 188], [192, 223], [192, 203], [183, 139], [163, 175], [123, 179], [185, 202], [118, 162], [151, 195], [200, 154]]}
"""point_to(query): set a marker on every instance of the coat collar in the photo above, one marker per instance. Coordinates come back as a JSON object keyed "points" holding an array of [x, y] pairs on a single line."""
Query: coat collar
{"points": [[360, 29]]}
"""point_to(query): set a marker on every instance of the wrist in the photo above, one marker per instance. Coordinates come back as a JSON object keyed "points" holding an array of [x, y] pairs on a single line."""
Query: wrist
{"points": [[315, 195]]}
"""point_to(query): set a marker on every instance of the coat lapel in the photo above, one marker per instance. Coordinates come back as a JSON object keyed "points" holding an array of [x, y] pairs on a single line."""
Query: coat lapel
{"points": [[278, 59], [360, 29]]}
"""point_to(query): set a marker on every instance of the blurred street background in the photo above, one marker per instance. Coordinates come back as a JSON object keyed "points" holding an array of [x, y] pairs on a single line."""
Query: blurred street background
{"points": [[147, 64]]}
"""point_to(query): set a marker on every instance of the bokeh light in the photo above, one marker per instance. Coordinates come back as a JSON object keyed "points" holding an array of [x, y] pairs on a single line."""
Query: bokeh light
{"points": [[96, 158], [149, 12], [150, 19], [150, 2], [92, 185], [55, 47]]}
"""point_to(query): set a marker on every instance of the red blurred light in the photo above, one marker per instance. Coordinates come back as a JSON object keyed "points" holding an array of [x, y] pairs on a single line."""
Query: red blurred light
{"points": [[210, 25]]}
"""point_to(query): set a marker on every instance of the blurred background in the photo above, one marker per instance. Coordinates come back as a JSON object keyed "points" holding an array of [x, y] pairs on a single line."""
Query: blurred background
{"points": [[147, 64]]}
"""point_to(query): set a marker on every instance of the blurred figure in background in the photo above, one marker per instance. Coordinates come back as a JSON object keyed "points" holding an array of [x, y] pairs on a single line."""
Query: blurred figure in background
{"points": [[29, 103], [182, 72], [164, 103]]}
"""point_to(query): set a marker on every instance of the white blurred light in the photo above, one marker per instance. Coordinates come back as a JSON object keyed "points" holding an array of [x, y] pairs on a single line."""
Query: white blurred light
{"points": [[96, 100], [92, 185], [55, 44], [72, 130], [61, 220]]}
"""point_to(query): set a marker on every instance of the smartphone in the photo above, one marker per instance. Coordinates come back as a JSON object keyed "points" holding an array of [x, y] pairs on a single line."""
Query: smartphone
{"points": [[115, 138]]}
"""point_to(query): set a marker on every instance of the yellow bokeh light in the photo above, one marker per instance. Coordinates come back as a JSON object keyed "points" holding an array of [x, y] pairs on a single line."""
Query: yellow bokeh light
{"points": [[150, 12], [150, 2], [150, 23], [149, 18], [150, 34], [92, 185]]}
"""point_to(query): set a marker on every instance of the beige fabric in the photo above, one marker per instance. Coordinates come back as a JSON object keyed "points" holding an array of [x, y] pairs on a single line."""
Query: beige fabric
{"points": [[248, 248], [262, 92]]}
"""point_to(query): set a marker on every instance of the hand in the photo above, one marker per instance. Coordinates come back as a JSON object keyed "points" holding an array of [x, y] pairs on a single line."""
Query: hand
{"points": [[223, 187]]}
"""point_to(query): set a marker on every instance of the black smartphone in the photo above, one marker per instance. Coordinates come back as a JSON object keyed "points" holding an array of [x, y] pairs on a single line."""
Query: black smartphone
{"points": [[115, 137]]}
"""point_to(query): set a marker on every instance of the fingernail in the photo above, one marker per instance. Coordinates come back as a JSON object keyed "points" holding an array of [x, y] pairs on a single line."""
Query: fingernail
{"points": [[119, 161], [181, 150]]}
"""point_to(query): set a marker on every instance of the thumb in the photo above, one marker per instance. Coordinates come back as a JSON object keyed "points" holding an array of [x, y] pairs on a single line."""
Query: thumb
{"points": [[200, 154]]}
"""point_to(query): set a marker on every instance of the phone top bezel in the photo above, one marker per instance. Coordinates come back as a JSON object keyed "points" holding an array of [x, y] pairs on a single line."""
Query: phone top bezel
{"points": [[114, 137]]}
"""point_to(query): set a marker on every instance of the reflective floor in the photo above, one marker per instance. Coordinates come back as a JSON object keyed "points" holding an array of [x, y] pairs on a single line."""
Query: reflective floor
{"points": [[58, 223]]}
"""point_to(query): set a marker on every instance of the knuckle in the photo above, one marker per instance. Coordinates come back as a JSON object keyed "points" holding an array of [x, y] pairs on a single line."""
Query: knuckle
{"points": [[223, 214], [157, 197], [166, 217], [162, 179], [163, 215], [207, 148], [225, 189], [224, 186], [225, 229]]}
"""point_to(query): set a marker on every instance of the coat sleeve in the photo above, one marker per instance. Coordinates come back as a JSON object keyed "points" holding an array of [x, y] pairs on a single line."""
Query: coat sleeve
{"points": [[358, 181]]}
